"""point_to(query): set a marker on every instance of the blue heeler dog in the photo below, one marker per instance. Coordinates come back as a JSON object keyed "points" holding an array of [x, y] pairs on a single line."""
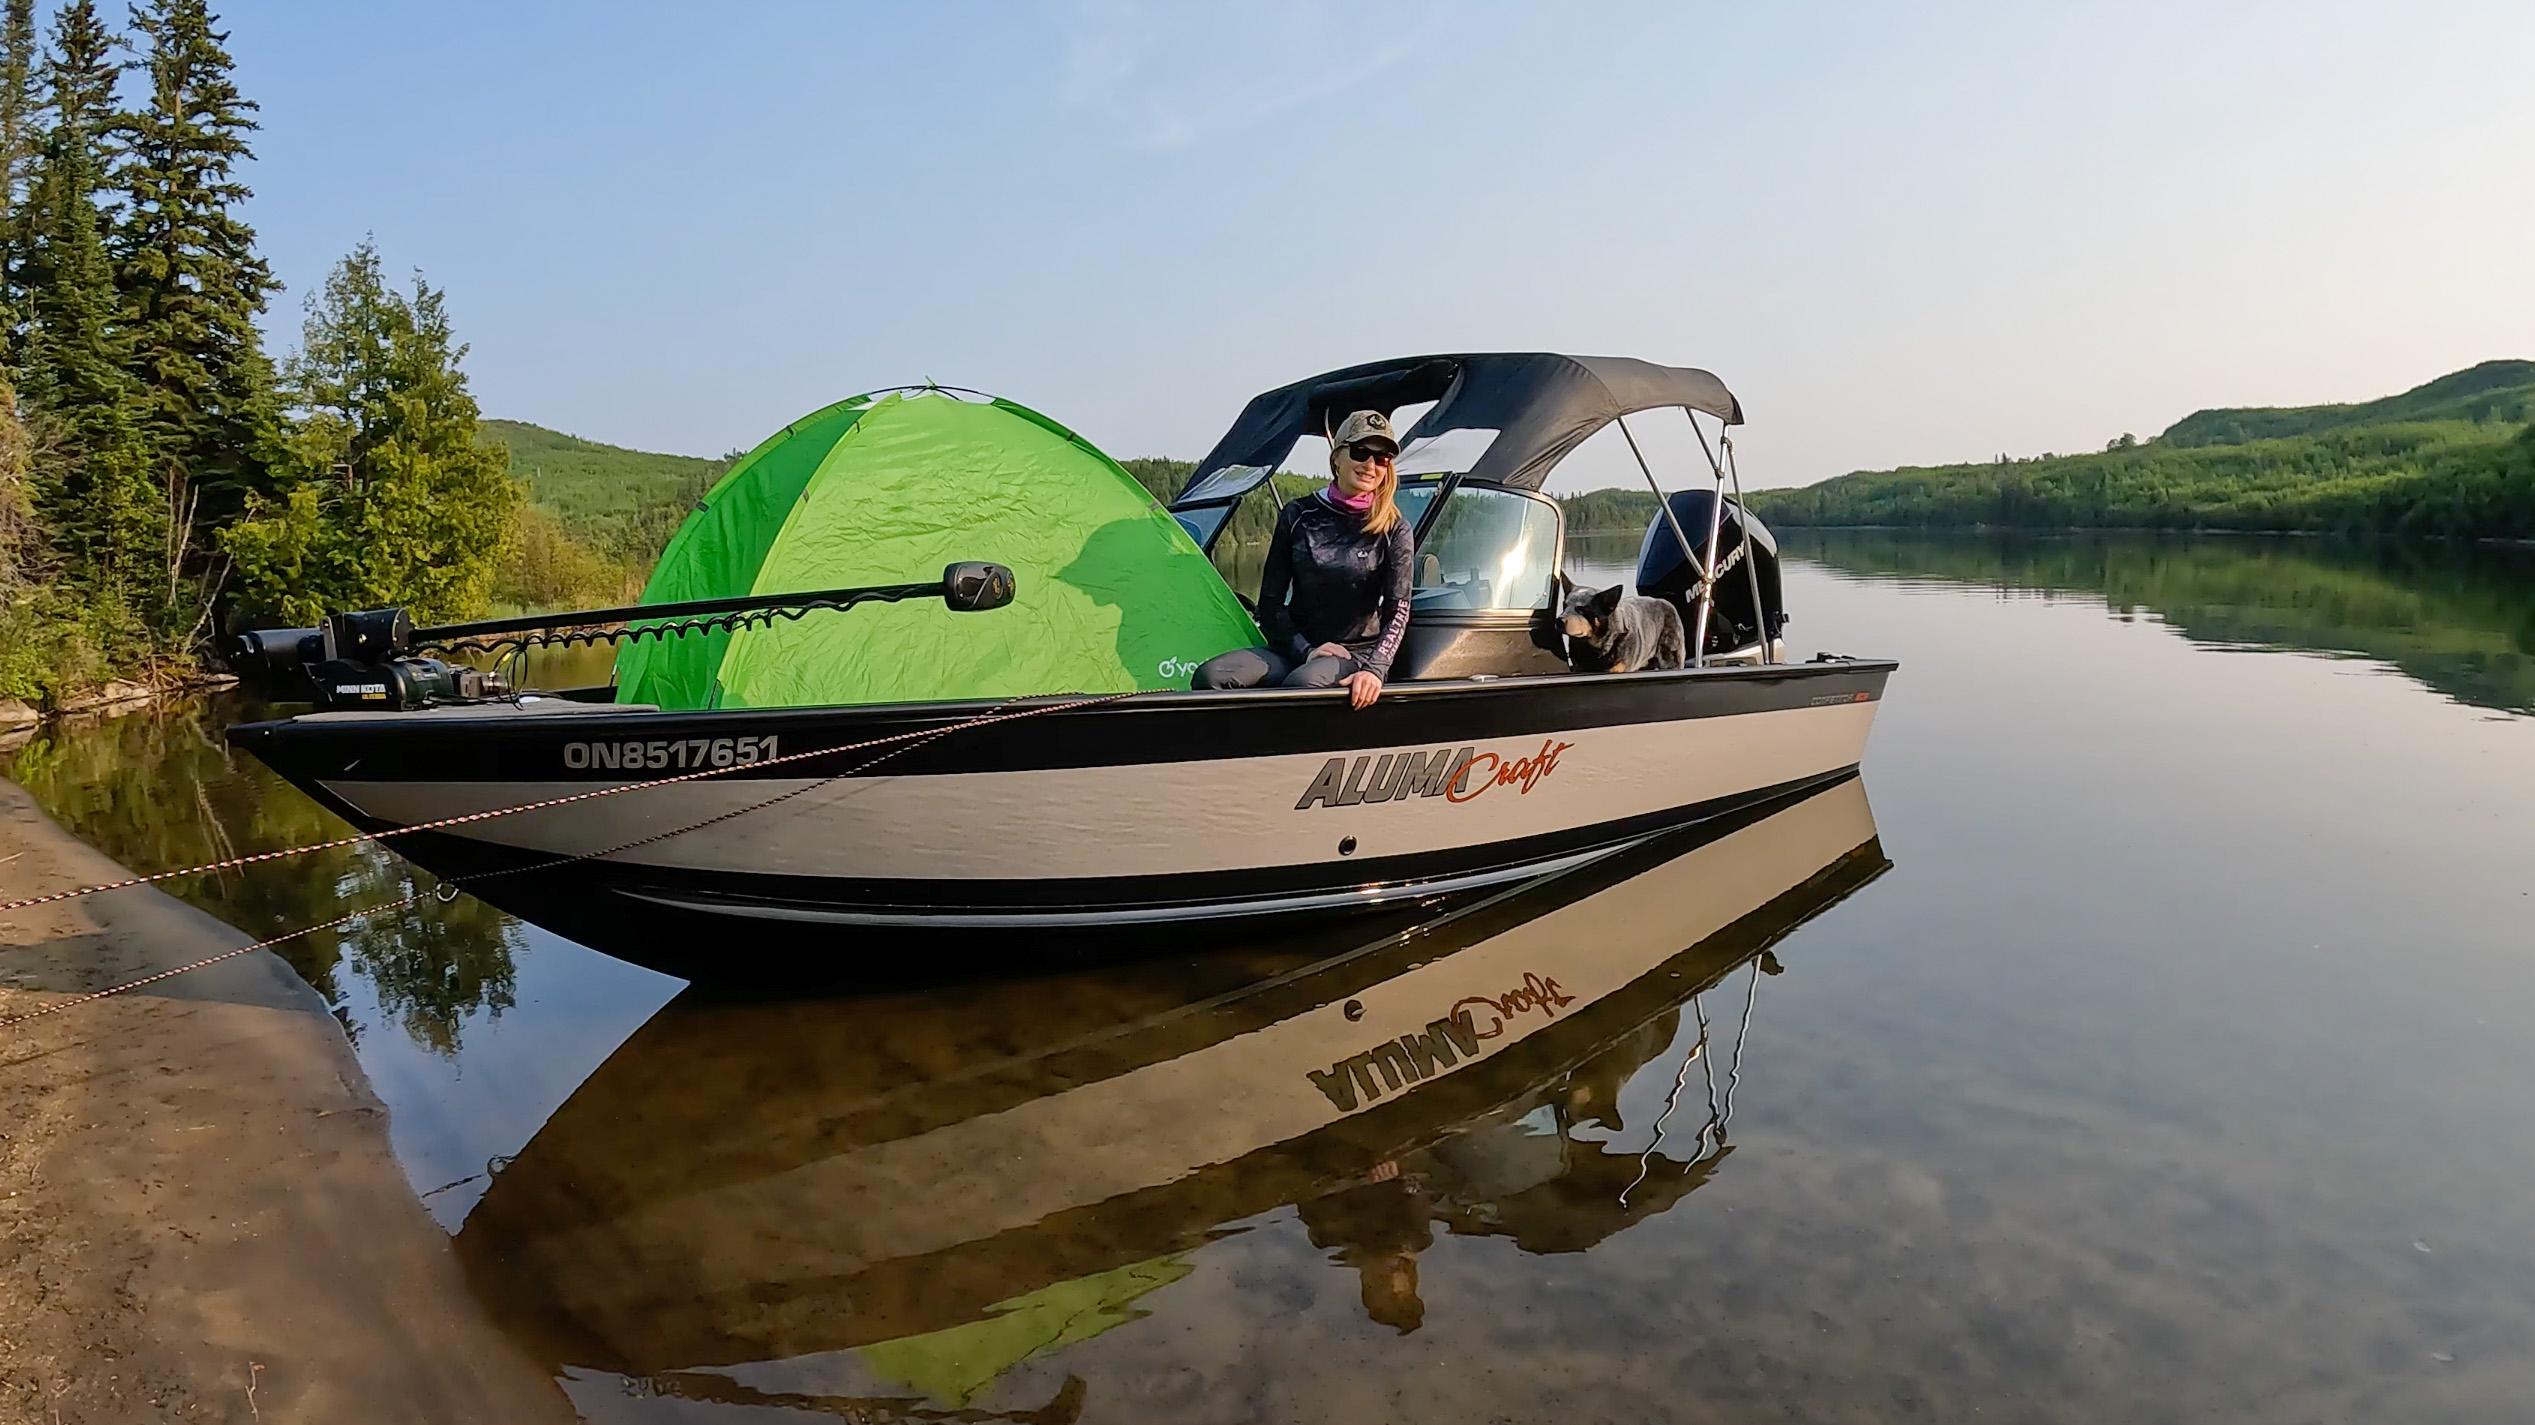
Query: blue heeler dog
{"points": [[1613, 631]]}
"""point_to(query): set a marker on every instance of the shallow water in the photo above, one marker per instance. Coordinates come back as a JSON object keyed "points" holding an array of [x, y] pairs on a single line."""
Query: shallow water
{"points": [[2153, 1049]]}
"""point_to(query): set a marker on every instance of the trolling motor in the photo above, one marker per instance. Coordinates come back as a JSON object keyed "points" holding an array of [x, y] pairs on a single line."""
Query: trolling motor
{"points": [[376, 659], [364, 659]]}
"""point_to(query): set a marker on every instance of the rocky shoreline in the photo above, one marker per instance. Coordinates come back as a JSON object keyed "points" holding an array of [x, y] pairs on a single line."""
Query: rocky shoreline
{"points": [[19, 720], [200, 1218]]}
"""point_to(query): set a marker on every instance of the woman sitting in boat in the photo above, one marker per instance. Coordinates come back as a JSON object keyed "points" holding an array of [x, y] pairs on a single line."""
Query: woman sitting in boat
{"points": [[1333, 598]]}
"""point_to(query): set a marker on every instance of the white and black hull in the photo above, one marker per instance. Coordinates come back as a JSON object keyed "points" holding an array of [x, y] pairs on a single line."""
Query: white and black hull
{"points": [[1156, 813]]}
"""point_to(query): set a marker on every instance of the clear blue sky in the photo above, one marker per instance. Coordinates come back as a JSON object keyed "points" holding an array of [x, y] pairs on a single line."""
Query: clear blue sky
{"points": [[1900, 233]]}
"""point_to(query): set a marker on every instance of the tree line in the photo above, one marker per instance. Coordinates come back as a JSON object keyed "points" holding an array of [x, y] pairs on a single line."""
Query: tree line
{"points": [[1253, 520], [157, 468], [2455, 479]]}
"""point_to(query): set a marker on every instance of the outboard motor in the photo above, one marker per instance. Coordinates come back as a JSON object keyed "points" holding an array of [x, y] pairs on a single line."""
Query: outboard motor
{"points": [[354, 660], [1664, 572]]}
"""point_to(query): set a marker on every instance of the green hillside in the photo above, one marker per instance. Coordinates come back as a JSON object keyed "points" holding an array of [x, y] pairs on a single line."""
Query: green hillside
{"points": [[2455, 457], [598, 515], [1604, 511], [605, 495], [2502, 391]]}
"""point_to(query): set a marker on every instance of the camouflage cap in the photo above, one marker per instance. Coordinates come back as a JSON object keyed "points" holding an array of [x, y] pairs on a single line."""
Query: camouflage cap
{"points": [[1365, 425]]}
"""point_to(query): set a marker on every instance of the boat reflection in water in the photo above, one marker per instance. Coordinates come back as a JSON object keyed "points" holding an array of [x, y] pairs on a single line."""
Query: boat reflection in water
{"points": [[948, 1183]]}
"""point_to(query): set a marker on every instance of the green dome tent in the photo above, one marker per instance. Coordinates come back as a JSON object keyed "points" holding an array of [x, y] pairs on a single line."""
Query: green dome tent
{"points": [[1112, 594]]}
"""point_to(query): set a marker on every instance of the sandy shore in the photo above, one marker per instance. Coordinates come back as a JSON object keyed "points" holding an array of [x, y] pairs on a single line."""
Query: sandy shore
{"points": [[199, 1216]]}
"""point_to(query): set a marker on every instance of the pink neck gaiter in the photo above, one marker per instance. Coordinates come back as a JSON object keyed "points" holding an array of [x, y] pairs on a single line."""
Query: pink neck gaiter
{"points": [[1352, 504]]}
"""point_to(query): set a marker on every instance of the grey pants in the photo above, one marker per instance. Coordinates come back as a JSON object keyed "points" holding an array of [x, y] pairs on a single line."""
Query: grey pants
{"points": [[1256, 667]]}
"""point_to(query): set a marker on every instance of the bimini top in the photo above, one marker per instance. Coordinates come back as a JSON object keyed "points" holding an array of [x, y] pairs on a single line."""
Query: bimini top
{"points": [[1532, 407], [886, 489]]}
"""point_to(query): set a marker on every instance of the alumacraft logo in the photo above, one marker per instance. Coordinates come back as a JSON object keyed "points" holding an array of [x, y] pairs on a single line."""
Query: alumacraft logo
{"points": [[1455, 776], [1446, 1042]]}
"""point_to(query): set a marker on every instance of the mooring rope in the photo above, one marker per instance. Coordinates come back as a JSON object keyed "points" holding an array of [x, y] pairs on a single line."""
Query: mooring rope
{"points": [[910, 741], [410, 897], [111, 991], [468, 818]]}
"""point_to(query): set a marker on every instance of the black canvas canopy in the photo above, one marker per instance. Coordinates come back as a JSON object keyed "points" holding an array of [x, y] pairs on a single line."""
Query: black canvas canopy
{"points": [[1539, 404]]}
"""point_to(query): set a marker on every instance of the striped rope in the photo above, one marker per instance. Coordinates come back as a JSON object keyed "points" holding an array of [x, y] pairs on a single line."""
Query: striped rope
{"points": [[469, 818], [112, 990], [911, 742]]}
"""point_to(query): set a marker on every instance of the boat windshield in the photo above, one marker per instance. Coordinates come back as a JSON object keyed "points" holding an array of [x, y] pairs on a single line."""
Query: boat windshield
{"points": [[1492, 548]]}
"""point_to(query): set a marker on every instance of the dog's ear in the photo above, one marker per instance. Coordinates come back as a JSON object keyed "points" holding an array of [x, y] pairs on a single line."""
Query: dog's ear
{"points": [[1607, 602]]}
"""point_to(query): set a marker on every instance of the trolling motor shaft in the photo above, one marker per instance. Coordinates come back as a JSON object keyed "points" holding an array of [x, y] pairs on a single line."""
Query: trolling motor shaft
{"points": [[371, 658]]}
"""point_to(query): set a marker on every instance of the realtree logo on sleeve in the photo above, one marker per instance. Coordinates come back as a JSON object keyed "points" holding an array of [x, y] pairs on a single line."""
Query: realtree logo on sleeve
{"points": [[1455, 776]]}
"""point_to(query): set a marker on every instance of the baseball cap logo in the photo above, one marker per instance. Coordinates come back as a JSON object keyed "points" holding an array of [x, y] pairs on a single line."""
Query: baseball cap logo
{"points": [[1363, 425]]}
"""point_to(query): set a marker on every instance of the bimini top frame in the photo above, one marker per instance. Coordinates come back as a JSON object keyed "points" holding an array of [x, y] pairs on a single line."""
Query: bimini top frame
{"points": [[1530, 408], [1536, 405]]}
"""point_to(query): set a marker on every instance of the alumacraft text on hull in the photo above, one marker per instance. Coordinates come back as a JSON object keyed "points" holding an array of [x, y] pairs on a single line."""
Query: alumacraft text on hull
{"points": [[1487, 761]]}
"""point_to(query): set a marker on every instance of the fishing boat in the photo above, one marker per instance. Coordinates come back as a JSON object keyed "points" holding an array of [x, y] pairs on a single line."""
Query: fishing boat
{"points": [[774, 768], [970, 1177]]}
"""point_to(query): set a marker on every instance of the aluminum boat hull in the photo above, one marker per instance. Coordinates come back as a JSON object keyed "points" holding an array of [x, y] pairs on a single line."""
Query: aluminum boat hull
{"points": [[1161, 813]]}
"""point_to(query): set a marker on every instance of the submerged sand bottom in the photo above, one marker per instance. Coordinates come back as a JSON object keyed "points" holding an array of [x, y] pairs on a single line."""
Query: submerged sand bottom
{"points": [[199, 1215]]}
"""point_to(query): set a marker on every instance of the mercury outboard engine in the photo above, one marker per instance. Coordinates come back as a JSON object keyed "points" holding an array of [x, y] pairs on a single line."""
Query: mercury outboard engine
{"points": [[1664, 572]]}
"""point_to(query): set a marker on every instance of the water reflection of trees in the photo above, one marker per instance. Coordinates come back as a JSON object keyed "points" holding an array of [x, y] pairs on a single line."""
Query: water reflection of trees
{"points": [[161, 789], [2458, 618]]}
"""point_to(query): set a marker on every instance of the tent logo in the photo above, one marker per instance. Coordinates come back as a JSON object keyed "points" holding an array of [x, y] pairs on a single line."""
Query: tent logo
{"points": [[1176, 667]]}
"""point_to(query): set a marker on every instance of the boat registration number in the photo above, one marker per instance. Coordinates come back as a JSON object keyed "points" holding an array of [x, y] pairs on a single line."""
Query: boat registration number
{"points": [[662, 754]]}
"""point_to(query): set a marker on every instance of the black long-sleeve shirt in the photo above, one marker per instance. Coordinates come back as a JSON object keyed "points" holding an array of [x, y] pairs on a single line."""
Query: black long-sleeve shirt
{"points": [[1327, 581]]}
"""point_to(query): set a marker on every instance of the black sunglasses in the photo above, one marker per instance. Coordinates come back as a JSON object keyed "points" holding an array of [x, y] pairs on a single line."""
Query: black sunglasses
{"points": [[1364, 450]]}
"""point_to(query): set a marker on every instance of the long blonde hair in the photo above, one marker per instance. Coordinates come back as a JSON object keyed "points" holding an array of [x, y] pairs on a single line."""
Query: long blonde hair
{"points": [[1385, 510]]}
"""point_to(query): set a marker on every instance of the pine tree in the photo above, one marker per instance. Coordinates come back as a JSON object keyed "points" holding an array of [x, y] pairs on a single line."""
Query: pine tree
{"points": [[30, 614], [76, 84], [18, 136], [97, 491], [388, 497], [191, 281], [20, 541]]}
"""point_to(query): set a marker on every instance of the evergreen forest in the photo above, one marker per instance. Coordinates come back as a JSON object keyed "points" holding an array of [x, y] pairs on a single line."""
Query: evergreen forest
{"points": [[160, 471]]}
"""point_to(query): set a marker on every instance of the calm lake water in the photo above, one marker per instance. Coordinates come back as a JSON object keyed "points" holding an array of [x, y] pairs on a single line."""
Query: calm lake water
{"points": [[2144, 1037]]}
